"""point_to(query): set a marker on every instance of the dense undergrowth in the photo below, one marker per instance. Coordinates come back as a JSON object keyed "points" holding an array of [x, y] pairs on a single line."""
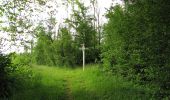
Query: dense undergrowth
{"points": [[136, 44], [14, 75]]}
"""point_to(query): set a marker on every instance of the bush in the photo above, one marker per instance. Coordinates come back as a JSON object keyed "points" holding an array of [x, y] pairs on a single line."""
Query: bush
{"points": [[14, 74], [4, 81], [21, 59], [137, 42]]}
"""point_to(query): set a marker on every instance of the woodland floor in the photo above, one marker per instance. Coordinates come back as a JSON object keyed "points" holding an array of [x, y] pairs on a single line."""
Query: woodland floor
{"points": [[54, 83]]}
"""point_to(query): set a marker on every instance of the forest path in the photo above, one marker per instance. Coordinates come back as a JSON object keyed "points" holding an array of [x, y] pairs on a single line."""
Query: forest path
{"points": [[67, 86], [53, 83]]}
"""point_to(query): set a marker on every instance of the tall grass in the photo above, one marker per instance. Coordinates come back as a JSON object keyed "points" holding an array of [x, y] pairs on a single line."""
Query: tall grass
{"points": [[51, 83], [47, 85], [93, 84]]}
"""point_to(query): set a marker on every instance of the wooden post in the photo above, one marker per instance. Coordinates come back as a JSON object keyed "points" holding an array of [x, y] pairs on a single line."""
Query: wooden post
{"points": [[83, 49]]}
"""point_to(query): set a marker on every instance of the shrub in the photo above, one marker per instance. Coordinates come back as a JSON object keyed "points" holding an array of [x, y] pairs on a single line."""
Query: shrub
{"points": [[14, 74], [4, 81]]}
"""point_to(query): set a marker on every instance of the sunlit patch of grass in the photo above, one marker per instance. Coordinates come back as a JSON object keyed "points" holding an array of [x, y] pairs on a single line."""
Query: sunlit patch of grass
{"points": [[53, 83], [92, 84], [48, 85]]}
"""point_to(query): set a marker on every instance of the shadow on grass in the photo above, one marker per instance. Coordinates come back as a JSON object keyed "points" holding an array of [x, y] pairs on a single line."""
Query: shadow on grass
{"points": [[41, 92], [113, 94], [125, 93]]}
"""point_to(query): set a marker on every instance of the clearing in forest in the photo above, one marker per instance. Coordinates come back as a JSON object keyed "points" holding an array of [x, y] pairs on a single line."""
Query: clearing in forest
{"points": [[74, 84]]}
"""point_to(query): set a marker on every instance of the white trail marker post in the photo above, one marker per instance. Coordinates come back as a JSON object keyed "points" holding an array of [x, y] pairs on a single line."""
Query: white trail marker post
{"points": [[83, 50]]}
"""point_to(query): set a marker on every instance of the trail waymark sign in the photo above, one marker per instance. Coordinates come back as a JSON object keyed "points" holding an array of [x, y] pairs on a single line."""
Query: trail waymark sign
{"points": [[83, 51]]}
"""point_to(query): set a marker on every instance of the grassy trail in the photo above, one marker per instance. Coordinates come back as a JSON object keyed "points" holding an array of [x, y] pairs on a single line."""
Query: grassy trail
{"points": [[68, 89], [53, 83]]}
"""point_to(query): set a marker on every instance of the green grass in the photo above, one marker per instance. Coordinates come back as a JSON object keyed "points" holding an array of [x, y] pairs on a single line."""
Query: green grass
{"points": [[54, 83]]}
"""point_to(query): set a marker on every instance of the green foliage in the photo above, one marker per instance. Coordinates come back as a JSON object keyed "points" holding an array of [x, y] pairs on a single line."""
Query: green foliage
{"points": [[11, 11], [43, 48], [81, 22], [63, 48], [55, 52], [21, 59], [113, 47], [14, 75], [137, 43], [4, 82]]}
